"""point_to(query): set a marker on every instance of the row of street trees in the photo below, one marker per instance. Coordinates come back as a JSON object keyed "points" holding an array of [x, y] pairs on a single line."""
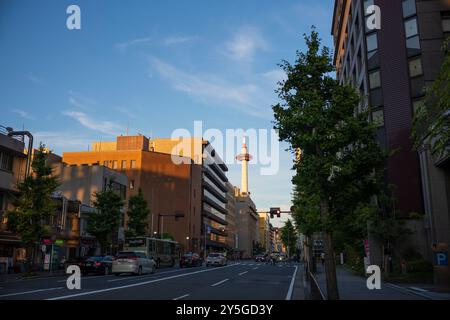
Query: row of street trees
{"points": [[341, 168], [35, 207], [339, 186]]}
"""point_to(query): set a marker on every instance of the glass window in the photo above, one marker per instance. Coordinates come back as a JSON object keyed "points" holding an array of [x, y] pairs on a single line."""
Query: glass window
{"points": [[374, 80], [367, 4], [372, 42], [114, 164], [446, 24], [105, 163], [6, 161], [133, 164], [415, 67], [124, 164], [131, 184], [409, 8], [411, 27], [378, 118], [413, 46]]}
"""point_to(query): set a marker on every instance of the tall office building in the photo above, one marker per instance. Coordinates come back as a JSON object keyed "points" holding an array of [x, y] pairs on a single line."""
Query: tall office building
{"points": [[214, 186], [390, 66]]}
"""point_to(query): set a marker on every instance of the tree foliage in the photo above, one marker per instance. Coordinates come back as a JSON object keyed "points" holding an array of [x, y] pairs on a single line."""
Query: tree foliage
{"points": [[432, 117], [138, 212], [289, 236], [34, 207], [104, 223]]}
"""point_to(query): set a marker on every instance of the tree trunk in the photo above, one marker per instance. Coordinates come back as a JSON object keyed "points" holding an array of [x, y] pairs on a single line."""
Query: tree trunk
{"points": [[330, 262], [309, 254]]}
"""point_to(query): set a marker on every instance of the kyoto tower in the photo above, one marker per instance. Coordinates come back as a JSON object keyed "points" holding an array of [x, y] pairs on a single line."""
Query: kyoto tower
{"points": [[244, 157]]}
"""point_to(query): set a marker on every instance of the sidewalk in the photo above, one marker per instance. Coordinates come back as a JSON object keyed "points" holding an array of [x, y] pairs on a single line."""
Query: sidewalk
{"points": [[36, 275], [353, 287]]}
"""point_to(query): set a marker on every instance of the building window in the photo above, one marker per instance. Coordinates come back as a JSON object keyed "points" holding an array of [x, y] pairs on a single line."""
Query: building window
{"points": [[6, 161], [131, 184], [114, 164], [415, 67], [411, 29], [374, 80], [409, 8], [133, 164], [413, 46], [378, 118], [446, 23], [367, 4], [372, 42], [105, 163], [124, 164]]}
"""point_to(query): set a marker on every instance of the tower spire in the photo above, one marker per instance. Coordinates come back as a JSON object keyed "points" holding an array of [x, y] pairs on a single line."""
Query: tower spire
{"points": [[244, 157]]}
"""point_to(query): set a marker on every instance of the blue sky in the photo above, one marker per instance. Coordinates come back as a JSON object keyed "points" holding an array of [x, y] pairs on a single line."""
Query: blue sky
{"points": [[152, 67]]}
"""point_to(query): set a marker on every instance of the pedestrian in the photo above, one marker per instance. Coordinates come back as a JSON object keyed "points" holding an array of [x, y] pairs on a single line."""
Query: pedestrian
{"points": [[322, 257]]}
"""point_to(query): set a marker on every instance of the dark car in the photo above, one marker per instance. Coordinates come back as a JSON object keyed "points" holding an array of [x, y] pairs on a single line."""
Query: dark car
{"points": [[97, 265], [260, 258], [190, 260]]}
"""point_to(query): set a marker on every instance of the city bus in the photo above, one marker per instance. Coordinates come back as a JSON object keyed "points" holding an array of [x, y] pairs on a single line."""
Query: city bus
{"points": [[164, 252]]}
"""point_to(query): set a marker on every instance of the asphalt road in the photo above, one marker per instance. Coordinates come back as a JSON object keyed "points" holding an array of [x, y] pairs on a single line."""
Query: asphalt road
{"points": [[236, 281]]}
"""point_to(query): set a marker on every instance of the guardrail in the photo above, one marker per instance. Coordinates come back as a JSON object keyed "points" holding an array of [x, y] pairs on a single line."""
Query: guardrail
{"points": [[4, 131]]}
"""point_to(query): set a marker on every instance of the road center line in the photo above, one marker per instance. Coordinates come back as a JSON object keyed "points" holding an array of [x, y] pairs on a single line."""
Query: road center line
{"points": [[137, 284], [219, 283], [85, 278], [291, 287], [179, 298], [27, 292], [256, 268], [243, 273]]}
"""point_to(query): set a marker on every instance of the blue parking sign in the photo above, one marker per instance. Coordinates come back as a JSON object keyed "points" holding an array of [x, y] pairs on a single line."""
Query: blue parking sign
{"points": [[441, 258]]}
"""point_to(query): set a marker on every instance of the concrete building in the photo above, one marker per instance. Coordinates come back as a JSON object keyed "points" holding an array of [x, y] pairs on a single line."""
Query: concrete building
{"points": [[171, 184], [232, 235], [247, 224], [213, 192], [12, 171], [391, 66], [75, 196], [264, 229]]}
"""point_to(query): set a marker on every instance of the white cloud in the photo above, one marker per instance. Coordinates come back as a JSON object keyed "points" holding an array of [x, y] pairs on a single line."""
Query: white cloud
{"points": [[106, 127], [35, 79], [275, 76], [174, 40], [245, 43], [124, 45], [22, 113], [249, 98]]}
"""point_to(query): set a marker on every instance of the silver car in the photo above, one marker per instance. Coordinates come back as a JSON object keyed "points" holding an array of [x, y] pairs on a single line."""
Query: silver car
{"points": [[133, 262], [216, 259]]}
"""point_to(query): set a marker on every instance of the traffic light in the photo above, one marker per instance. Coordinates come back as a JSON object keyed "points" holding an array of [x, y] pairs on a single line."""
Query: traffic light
{"points": [[275, 212]]}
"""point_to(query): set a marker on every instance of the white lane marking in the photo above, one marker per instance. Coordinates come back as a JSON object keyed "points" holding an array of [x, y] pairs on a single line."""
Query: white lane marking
{"points": [[219, 283], [28, 292], [87, 278], [255, 268], [418, 289], [291, 287], [179, 298], [137, 284], [145, 276], [243, 273]]}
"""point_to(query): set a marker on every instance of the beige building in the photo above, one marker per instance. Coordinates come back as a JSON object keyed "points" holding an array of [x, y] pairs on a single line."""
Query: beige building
{"points": [[264, 229], [247, 224]]}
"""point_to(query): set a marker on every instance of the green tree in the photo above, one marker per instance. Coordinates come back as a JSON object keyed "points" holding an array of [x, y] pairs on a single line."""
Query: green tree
{"points": [[341, 164], [289, 237], [34, 207], [432, 117], [138, 212], [104, 223]]}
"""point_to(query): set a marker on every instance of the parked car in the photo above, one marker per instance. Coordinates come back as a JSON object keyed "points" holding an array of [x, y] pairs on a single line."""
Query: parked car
{"points": [[216, 259], [190, 260], [133, 262], [97, 265], [79, 261], [260, 258]]}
